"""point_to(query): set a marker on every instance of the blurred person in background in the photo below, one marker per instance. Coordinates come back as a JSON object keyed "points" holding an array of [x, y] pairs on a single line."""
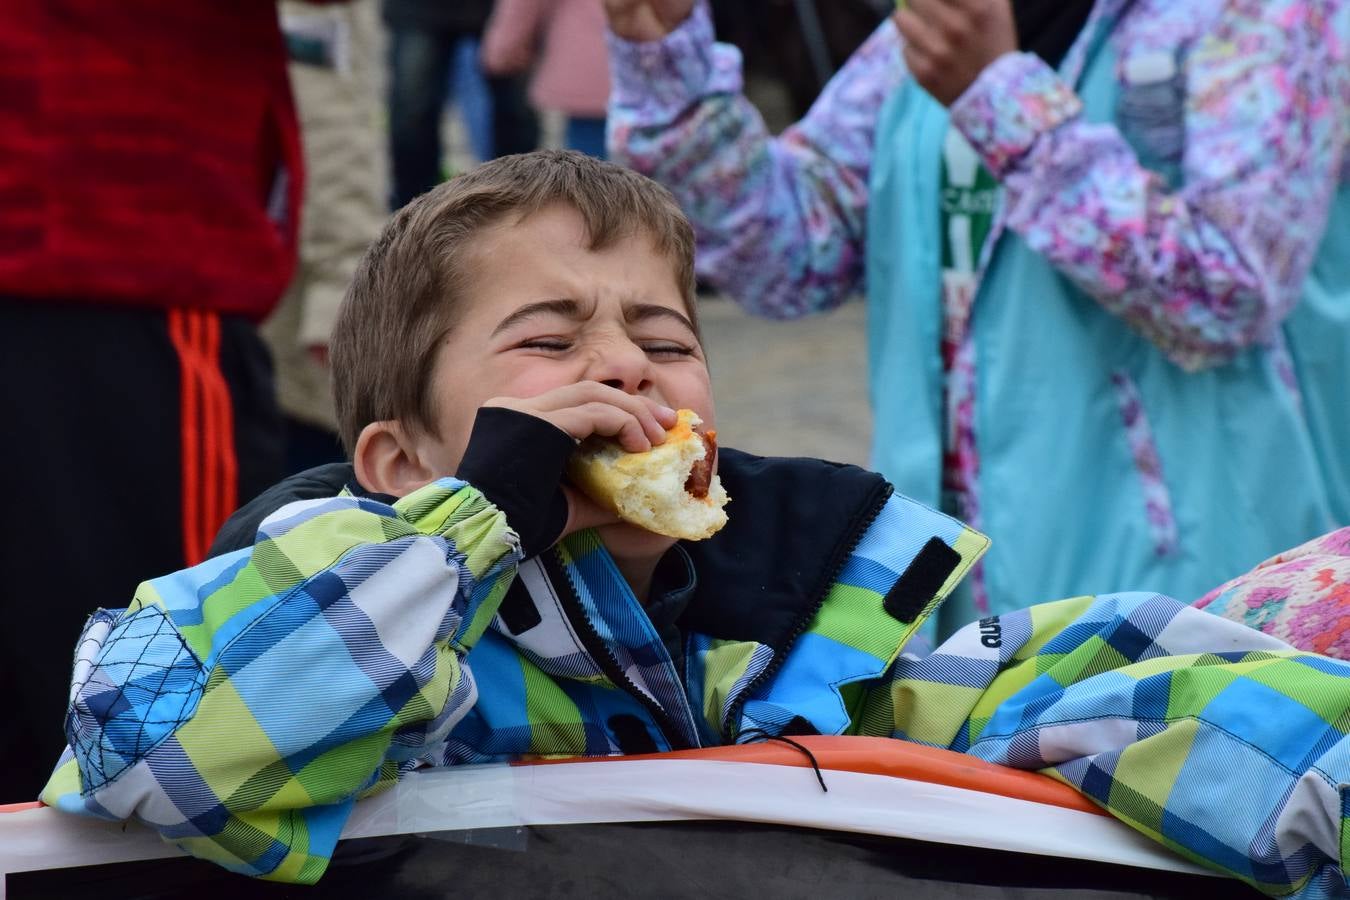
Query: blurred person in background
{"points": [[423, 37], [151, 177], [335, 66], [515, 126], [1106, 248], [564, 42]]}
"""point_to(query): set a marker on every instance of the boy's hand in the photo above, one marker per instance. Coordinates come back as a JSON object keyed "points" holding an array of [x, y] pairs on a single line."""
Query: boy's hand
{"points": [[948, 43], [589, 407], [646, 20]]}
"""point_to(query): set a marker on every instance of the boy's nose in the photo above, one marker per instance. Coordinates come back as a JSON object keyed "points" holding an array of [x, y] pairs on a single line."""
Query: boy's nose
{"points": [[624, 366]]}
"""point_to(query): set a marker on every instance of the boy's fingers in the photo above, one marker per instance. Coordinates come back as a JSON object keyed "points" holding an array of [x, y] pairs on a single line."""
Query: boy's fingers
{"points": [[629, 430], [664, 414], [640, 410], [605, 420], [589, 407], [651, 417], [656, 418]]}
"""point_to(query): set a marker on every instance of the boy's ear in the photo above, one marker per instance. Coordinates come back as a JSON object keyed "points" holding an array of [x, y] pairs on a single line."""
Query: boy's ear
{"points": [[387, 462]]}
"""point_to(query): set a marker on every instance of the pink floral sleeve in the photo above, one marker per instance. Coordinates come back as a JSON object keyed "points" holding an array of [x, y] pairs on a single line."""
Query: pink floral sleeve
{"points": [[1213, 264], [1301, 596], [780, 220]]}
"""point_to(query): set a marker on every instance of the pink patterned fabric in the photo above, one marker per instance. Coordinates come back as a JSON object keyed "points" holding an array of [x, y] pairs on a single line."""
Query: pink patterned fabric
{"points": [[961, 456], [1013, 102], [1301, 596], [1257, 128], [779, 220], [1157, 499], [1193, 217], [1211, 266]]}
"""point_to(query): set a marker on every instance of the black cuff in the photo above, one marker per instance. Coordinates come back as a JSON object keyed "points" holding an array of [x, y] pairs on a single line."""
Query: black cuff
{"points": [[517, 461]]}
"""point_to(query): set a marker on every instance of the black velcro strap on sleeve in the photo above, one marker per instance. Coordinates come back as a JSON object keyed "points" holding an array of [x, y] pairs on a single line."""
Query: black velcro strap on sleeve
{"points": [[920, 583]]}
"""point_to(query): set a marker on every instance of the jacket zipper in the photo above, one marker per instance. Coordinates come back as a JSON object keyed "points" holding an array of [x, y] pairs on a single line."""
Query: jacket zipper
{"points": [[609, 663], [841, 554]]}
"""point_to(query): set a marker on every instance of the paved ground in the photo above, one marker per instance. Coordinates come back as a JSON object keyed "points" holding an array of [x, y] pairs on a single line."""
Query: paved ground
{"points": [[789, 388]]}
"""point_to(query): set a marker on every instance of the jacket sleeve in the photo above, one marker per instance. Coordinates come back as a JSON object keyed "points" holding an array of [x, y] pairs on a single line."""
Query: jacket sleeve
{"points": [[240, 707], [1220, 742], [779, 220], [1254, 116]]}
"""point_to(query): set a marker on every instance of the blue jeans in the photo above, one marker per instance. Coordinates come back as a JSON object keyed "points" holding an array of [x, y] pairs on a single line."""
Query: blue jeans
{"points": [[425, 67], [424, 64], [586, 135]]}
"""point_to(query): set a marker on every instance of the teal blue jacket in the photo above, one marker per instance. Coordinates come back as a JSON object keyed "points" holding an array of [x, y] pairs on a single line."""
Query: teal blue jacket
{"points": [[1160, 334], [1194, 447]]}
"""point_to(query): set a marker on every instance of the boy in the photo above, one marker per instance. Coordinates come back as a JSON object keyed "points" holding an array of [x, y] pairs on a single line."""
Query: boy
{"points": [[241, 706]]}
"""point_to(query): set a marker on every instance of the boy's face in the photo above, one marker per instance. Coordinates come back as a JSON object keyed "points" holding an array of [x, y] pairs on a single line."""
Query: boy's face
{"points": [[542, 311]]}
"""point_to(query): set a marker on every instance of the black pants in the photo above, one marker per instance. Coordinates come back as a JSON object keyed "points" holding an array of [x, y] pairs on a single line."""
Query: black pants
{"points": [[94, 490]]}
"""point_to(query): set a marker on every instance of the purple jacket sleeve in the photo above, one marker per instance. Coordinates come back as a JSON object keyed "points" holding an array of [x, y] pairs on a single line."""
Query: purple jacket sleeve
{"points": [[780, 220], [1213, 265]]}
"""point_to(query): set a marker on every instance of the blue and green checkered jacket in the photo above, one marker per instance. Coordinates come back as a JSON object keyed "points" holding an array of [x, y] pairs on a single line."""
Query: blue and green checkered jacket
{"points": [[242, 706]]}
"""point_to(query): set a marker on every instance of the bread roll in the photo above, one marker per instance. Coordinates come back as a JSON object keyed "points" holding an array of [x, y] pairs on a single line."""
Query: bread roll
{"points": [[652, 489]]}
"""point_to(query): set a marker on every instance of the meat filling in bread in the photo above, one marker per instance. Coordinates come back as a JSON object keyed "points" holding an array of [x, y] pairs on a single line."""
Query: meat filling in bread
{"points": [[671, 489], [700, 476]]}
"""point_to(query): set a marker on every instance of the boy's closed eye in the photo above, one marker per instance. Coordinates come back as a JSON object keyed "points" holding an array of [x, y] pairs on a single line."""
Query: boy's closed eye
{"points": [[659, 347], [546, 343], [665, 348]]}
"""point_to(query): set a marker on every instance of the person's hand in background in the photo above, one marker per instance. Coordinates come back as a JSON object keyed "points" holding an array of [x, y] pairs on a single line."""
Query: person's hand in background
{"points": [[646, 20], [510, 37], [947, 43]]}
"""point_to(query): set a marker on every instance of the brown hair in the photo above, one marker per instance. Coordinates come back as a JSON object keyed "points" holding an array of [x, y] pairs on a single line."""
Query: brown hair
{"points": [[403, 298]]}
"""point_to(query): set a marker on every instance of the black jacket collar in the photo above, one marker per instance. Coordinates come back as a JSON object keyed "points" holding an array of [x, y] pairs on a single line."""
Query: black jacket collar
{"points": [[792, 523]]}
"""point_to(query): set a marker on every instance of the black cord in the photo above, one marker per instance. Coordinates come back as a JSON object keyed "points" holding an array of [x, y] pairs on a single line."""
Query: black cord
{"points": [[763, 735]]}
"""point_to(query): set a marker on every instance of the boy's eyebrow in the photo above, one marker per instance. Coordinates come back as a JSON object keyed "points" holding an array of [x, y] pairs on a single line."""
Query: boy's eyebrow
{"points": [[639, 312], [569, 309]]}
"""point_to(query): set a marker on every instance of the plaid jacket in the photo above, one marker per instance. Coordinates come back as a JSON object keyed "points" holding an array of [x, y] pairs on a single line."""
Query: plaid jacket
{"points": [[241, 707]]}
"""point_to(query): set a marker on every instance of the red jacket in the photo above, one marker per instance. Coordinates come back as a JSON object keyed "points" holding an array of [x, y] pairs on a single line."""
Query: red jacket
{"points": [[149, 154]]}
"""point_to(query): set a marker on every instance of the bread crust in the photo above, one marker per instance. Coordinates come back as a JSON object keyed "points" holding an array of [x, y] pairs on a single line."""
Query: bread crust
{"points": [[648, 488]]}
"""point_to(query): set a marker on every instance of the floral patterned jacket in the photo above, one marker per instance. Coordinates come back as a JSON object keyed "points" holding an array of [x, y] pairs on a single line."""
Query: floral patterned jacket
{"points": [[1198, 211]]}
